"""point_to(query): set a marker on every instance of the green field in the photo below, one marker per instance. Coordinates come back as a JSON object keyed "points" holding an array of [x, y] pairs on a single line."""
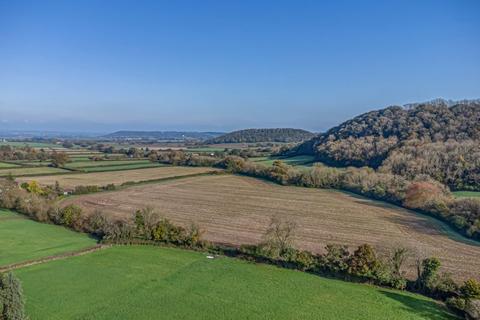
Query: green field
{"points": [[206, 149], [103, 163], [122, 167], [22, 239], [141, 282], [293, 161], [4, 165], [17, 172], [466, 194]]}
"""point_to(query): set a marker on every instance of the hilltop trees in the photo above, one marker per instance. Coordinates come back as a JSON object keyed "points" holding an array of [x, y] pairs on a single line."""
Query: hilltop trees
{"points": [[263, 135], [426, 139]]}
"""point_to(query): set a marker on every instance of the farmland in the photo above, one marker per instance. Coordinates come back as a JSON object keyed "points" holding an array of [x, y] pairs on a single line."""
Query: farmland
{"points": [[237, 210], [149, 283], [293, 161], [26, 171], [118, 177], [103, 163], [4, 165], [23, 239], [467, 194]]}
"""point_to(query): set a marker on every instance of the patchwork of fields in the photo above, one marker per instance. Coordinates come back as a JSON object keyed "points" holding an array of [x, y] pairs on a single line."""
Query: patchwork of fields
{"points": [[152, 283], [237, 210], [117, 177]]}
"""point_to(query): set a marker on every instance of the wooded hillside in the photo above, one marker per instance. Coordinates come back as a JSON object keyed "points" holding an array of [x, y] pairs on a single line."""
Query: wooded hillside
{"points": [[434, 139]]}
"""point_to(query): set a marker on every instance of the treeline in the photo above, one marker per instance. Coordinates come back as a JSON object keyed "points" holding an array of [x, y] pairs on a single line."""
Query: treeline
{"points": [[432, 139], [422, 193], [263, 135], [23, 153]]}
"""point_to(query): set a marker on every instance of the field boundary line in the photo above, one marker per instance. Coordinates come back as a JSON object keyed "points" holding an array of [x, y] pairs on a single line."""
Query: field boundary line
{"points": [[60, 256]]}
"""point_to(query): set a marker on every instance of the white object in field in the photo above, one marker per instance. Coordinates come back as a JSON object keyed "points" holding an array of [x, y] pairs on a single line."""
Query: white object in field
{"points": [[210, 257]]}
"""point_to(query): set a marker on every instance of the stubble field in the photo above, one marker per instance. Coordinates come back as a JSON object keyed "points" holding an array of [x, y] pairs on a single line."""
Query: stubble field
{"points": [[117, 177], [237, 210]]}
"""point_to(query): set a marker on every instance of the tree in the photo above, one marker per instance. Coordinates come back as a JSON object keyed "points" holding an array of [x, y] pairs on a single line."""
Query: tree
{"points": [[428, 273], [59, 159], [278, 239], [470, 289], [12, 304], [363, 261], [397, 259]]}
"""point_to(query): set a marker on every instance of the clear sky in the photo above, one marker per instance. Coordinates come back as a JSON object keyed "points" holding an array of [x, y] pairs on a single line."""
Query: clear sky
{"points": [[221, 65]]}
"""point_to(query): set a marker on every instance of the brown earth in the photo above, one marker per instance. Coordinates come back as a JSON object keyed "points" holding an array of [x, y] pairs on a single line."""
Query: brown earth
{"points": [[115, 177], [237, 210]]}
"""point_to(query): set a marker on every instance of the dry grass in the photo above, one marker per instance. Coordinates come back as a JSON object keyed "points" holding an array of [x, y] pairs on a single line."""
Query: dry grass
{"points": [[237, 210], [116, 177]]}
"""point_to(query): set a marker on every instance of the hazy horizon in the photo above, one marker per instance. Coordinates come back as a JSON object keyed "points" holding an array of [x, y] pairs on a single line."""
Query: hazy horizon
{"points": [[94, 66]]}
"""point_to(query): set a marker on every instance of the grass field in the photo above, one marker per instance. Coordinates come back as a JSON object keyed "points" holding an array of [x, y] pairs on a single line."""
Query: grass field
{"points": [[466, 194], [237, 210], [206, 149], [123, 167], [103, 163], [293, 161], [22, 239], [17, 172], [164, 283], [117, 178], [4, 165]]}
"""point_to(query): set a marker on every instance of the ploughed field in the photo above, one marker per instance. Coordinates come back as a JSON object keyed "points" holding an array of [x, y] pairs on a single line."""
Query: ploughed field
{"points": [[142, 282], [117, 177], [237, 210]]}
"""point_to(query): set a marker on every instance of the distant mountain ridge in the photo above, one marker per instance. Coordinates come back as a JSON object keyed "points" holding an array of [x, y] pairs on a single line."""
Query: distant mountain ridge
{"points": [[263, 135], [162, 135]]}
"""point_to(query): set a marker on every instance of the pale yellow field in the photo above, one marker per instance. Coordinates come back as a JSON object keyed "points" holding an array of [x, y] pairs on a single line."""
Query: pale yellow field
{"points": [[237, 210], [116, 177]]}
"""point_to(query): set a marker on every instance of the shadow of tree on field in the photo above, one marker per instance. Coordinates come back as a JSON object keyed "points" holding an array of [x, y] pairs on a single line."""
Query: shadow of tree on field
{"points": [[423, 308]]}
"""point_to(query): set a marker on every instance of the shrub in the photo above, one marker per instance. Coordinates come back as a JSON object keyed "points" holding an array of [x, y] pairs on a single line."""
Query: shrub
{"points": [[363, 261]]}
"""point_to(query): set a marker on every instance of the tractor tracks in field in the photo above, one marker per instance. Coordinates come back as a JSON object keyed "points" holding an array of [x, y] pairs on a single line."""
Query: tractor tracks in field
{"points": [[61, 256]]}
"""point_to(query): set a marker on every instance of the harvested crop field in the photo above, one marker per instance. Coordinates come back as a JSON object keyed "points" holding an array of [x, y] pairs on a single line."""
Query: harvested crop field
{"points": [[117, 177], [237, 210]]}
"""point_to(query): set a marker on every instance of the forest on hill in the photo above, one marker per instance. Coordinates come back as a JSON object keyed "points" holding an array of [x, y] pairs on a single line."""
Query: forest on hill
{"points": [[263, 135], [434, 139]]}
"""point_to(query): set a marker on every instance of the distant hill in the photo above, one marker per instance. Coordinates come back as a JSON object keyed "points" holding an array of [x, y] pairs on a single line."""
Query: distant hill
{"points": [[161, 135], [263, 135], [437, 139]]}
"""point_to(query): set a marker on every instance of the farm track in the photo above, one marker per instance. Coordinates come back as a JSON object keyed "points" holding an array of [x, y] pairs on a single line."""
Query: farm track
{"points": [[237, 210], [60, 256]]}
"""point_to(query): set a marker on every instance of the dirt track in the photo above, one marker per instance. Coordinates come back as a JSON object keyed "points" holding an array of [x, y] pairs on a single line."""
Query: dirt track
{"points": [[237, 210]]}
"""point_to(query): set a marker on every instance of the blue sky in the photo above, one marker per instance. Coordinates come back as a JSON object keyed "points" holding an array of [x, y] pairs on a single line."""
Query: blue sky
{"points": [[222, 65]]}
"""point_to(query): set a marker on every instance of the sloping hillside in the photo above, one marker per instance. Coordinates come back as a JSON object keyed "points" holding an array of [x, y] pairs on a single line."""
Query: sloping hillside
{"points": [[433, 138], [263, 135]]}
